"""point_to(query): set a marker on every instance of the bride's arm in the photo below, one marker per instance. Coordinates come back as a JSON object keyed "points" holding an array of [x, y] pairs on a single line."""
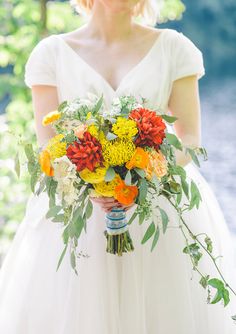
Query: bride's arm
{"points": [[44, 100], [184, 103]]}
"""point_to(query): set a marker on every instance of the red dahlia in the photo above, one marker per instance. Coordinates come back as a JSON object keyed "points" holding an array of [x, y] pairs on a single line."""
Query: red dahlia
{"points": [[87, 153], [151, 127]]}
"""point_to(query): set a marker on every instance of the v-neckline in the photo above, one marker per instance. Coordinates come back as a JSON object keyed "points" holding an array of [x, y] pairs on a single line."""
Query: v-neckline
{"points": [[132, 70]]}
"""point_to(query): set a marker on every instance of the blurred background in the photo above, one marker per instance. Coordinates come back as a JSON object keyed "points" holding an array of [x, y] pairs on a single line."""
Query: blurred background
{"points": [[210, 24]]}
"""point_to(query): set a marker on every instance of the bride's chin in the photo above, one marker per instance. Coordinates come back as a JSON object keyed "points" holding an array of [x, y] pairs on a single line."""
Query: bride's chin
{"points": [[119, 6]]}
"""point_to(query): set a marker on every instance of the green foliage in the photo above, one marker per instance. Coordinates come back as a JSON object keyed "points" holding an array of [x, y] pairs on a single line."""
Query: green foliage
{"points": [[21, 30]]}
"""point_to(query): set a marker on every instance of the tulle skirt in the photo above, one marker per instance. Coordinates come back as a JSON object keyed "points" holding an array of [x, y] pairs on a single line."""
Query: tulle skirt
{"points": [[141, 292]]}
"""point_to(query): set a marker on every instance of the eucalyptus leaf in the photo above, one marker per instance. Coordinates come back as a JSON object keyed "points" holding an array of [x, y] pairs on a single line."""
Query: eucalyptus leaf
{"points": [[59, 218], [193, 156], [89, 209], [143, 188], [165, 219], [61, 257], [53, 211], [149, 232], [173, 140], [195, 196], [111, 136], [169, 119], [128, 178], [155, 238], [134, 215], [98, 105], [141, 218], [140, 172], [110, 174]]}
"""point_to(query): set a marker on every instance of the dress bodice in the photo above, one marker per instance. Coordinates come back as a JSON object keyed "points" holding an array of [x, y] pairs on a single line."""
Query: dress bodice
{"points": [[172, 56]]}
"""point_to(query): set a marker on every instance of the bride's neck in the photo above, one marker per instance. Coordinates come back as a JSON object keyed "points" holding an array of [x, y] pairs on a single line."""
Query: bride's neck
{"points": [[110, 25]]}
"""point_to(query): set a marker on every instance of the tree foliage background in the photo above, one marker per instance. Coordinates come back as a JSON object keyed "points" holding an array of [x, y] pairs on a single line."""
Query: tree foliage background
{"points": [[24, 23]]}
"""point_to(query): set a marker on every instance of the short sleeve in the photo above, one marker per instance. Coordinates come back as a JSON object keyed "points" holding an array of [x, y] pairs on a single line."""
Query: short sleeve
{"points": [[187, 58], [40, 65]]}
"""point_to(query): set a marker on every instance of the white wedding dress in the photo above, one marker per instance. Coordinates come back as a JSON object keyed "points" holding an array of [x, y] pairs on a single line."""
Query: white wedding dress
{"points": [[142, 292]]}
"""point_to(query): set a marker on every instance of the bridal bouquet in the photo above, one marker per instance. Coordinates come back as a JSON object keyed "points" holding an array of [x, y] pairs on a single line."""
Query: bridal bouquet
{"points": [[125, 152]]}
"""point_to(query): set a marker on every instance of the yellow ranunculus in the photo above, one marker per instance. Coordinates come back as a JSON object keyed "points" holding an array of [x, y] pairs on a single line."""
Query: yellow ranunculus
{"points": [[51, 117]]}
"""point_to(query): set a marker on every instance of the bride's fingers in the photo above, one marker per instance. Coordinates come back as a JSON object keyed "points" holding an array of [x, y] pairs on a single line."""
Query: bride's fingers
{"points": [[104, 200]]}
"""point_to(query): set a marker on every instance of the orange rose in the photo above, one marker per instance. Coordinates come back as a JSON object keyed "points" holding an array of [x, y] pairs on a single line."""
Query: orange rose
{"points": [[157, 165], [125, 194], [139, 159], [80, 130]]}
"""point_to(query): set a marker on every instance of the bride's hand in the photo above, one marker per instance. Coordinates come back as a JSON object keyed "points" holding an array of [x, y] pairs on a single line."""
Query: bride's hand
{"points": [[107, 203]]}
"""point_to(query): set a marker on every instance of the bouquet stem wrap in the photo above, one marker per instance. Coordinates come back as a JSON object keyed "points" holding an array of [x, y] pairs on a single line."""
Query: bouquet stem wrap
{"points": [[117, 233]]}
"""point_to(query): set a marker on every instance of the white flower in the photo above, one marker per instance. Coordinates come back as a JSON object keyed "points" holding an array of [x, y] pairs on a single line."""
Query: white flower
{"points": [[67, 190], [71, 124], [64, 168]]}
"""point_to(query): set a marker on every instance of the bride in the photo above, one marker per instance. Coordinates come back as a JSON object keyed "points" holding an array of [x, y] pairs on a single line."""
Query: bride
{"points": [[141, 292]]}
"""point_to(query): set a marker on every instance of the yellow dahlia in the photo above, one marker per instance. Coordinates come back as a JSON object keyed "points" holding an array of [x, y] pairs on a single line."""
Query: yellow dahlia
{"points": [[51, 117], [107, 188], [93, 177], [125, 128], [118, 151], [55, 147]]}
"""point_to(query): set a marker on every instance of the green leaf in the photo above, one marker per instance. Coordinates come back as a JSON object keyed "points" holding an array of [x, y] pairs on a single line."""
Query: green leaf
{"points": [[53, 211], [165, 219], [140, 172], [111, 136], [110, 174], [234, 317], [128, 178], [194, 251], [149, 232], [17, 164], [169, 119], [29, 152], [141, 218], [208, 242], [179, 197], [193, 156], [78, 224], [61, 257], [204, 281], [156, 182], [73, 261], [173, 140], [195, 196], [174, 187], [185, 187], [155, 238], [221, 293], [134, 215], [89, 209], [143, 188], [33, 181], [98, 105], [59, 218]]}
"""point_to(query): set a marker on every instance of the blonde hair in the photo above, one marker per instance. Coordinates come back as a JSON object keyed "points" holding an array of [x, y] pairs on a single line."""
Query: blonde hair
{"points": [[148, 11]]}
